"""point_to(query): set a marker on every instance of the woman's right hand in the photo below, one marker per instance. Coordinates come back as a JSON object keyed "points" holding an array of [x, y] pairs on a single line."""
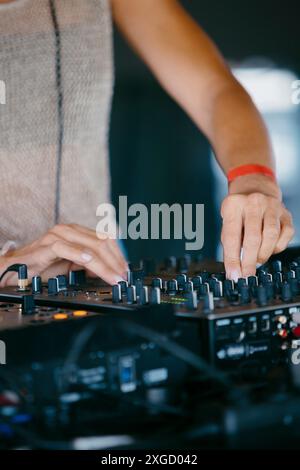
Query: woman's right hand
{"points": [[65, 248]]}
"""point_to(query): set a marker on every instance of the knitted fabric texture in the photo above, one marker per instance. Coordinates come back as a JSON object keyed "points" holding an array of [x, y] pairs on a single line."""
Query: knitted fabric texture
{"points": [[56, 63]]}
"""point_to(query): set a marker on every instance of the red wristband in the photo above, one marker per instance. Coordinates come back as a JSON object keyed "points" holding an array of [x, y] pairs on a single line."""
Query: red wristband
{"points": [[249, 170]]}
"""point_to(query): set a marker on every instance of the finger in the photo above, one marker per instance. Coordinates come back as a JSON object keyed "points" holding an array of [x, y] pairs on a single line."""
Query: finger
{"points": [[287, 232], [270, 235], [231, 240], [62, 250], [112, 243], [85, 239], [252, 239], [89, 260]]}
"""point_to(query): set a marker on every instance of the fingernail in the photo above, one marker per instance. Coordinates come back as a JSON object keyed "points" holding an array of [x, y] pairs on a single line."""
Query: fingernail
{"points": [[259, 265], [86, 257], [234, 275], [119, 279]]}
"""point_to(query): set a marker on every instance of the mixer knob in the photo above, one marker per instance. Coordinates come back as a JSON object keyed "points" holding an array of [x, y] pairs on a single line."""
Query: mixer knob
{"points": [[217, 288], [155, 296], [123, 285], [131, 294], [28, 305], [197, 281], [130, 277], [172, 287], [297, 272], [228, 287], [209, 305], [270, 289], [252, 281], [181, 280], [286, 292], [261, 296], [37, 287], [189, 286], [157, 282], [241, 283], [290, 275], [203, 289], [77, 278], [192, 302], [138, 285], [294, 284], [277, 266], [62, 282], [245, 294], [52, 286], [183, 264], [116, 294], [144, 297]]}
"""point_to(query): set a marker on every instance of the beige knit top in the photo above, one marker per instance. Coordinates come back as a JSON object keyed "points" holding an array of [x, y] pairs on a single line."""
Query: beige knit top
{"points": [[56, 63]]}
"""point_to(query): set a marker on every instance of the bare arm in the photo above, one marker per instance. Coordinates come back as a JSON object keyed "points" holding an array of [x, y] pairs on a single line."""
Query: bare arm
{"points": [[191, 69]]}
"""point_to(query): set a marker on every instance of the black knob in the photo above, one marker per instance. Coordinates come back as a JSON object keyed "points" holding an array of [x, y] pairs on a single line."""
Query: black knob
{"points": [[294, 284], [286, 292], [290, 275], [77, 278], [131, 294], [138, 285], [241, 282], [252, 281], [217, 288], [297, 272], [270, 289], [245, 294], [62, 282], [123, 285], [130, 278], [37, 287], [197, 281], [261, 296], [192, 302], [181, 280], [155, 296], [52, 286], [28, 305], [172, 287], [277, 266], [209, 302], [116, 294], [228, 287], [203, 289], [143, 297], [157, 282], [189, 286]]}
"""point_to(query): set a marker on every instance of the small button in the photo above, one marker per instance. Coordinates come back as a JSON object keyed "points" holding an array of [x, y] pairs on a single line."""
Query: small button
{"points": [[80, 313], [60, 316]]}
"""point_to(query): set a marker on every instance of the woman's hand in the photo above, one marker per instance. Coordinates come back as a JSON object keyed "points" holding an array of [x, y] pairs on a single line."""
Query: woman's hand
{"points": [[67, 247], [255, 224]]}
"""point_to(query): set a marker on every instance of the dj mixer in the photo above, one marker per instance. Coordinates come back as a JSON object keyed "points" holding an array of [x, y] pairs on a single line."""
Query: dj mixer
{"points": [[73, 342]]}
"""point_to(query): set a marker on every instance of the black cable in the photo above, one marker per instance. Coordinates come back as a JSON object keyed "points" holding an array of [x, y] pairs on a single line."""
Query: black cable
{"points": [[13, 268], [165, 343]]}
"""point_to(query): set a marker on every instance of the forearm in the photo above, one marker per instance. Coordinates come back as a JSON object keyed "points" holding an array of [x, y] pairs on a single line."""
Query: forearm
{"points": [[239, 137], [191, 69]]}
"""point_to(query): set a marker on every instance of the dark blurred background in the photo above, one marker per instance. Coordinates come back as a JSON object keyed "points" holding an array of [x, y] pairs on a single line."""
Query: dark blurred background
{"points": [[158, 155]]}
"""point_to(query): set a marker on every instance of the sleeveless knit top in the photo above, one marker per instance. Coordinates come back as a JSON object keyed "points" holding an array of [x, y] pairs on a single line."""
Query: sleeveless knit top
{"points": [[56, 64]]}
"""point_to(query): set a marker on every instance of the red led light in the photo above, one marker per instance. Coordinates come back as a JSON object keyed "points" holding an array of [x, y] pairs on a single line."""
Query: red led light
{"points": [[296, 332]]}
